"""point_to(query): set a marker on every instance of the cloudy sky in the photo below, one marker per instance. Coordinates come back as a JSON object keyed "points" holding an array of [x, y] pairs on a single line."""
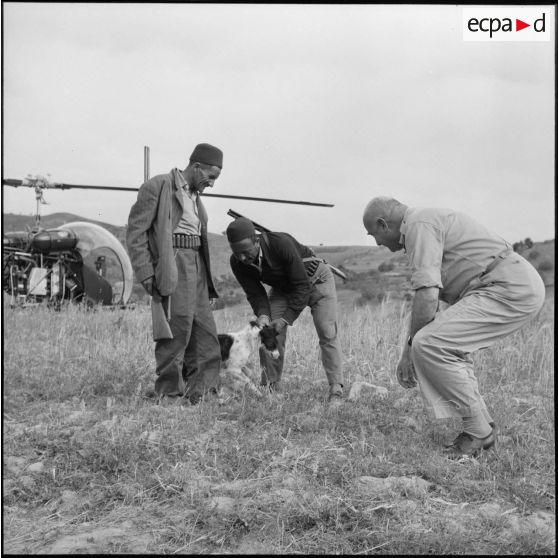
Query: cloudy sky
{"points": [[325, 103]]}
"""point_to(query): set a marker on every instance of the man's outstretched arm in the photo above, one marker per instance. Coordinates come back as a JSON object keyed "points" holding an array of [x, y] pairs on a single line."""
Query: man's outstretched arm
{"points": [[423, 311]]}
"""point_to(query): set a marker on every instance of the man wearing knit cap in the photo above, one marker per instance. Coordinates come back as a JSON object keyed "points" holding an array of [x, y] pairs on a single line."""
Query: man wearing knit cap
{"points": [[168, 247], [297, 279]]}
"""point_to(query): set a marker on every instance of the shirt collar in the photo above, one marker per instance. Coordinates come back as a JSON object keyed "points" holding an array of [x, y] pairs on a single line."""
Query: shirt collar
{"points": [[182, 183], [258, 265], [403, 227]]}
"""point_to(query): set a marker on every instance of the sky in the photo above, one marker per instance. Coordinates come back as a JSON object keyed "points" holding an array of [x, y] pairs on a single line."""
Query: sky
{"points": [[324, 103]]}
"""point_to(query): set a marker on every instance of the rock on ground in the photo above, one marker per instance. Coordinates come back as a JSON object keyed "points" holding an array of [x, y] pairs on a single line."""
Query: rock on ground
{"points": [[38, 467], [222, 504]]}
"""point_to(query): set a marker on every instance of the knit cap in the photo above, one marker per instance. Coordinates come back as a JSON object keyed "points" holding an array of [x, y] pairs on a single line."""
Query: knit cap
{"points": [[207, 154], [239, 229]]}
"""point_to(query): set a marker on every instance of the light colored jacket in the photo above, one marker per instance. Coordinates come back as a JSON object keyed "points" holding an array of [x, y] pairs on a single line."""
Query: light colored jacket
{"points": [[152, 220]]}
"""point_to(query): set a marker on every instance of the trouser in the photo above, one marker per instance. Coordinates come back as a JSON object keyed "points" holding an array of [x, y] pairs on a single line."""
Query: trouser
{"points": [[195, 334], [495, 305], [323, 305]]}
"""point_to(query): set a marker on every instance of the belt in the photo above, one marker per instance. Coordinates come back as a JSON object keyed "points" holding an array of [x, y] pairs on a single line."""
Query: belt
{"points": [[186, 241], [498, 259]]}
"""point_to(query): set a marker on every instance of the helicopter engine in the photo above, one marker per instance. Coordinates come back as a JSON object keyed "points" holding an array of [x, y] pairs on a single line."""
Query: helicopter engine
{"points": [[57, 264]]}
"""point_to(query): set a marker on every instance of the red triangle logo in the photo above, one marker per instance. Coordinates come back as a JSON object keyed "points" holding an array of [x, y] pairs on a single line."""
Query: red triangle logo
{"points": [[519, 25]]}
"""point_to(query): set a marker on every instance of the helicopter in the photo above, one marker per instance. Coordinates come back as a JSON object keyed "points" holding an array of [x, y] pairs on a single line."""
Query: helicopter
{"points": [[79, 261]]}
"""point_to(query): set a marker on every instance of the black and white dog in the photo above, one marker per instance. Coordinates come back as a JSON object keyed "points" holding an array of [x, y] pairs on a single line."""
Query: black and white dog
{"points": [[236, 349]]}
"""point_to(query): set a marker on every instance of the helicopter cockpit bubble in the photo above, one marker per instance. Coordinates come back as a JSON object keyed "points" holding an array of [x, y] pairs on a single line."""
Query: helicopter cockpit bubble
{"points": [[93, 237]]}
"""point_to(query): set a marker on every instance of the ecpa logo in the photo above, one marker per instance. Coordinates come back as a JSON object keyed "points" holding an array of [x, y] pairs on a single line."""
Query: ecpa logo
{"points": [[507, 24]]}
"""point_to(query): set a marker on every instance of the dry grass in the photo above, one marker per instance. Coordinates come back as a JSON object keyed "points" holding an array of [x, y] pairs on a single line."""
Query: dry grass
{"points": [[111, 472]]}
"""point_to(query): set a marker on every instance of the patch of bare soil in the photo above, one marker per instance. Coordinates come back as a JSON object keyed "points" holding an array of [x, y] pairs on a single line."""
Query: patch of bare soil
{"points": [[102, 540]]}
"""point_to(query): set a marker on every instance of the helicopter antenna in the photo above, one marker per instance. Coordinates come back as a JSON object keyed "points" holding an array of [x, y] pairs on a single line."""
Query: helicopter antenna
{"points": [[38, 183], [38, 197], [145, 163]]}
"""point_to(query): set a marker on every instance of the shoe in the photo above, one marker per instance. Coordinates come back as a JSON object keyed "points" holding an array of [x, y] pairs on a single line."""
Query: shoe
{"points": [[150, 394], [335, 395], [466, 444], [276, 387], [335, 400], [272, 387], [169, 400], [194, 399]]}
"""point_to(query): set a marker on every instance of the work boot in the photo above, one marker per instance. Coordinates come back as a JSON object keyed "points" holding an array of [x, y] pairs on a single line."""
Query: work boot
{"points": [[335, 398], [209, 395], [272, 387], [276, 387], [466, 444], [150, 393]]}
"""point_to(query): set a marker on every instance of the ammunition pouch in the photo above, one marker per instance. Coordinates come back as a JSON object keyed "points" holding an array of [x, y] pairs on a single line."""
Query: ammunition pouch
{"points": [[311, 265]]}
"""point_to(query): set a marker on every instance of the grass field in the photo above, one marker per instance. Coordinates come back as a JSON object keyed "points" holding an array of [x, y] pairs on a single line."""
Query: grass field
{"points": [[91, 466]]}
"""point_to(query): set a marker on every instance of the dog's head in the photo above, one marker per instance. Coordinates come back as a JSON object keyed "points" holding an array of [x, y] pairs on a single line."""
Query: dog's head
{"points": [[268, 337]]}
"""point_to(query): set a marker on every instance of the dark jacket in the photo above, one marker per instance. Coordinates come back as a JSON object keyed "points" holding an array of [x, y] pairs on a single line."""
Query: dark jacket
{"points": [[152, 220], [282, 269]]}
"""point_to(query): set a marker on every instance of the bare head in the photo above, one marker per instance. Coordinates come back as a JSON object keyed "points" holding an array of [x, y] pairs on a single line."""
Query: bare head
{"points": [[382, 219]]}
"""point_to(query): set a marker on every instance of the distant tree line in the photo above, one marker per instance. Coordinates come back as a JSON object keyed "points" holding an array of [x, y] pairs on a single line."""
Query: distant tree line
{"points": [[544, 265], [522, 245]]}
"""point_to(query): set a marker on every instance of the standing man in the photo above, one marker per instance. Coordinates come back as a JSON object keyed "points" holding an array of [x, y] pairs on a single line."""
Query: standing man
{"points": [[492, 292], [167, 243], [298, 279]]}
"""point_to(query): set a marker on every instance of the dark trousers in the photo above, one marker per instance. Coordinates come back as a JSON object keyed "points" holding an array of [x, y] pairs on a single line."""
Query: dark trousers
{"points": [[195, 334]]}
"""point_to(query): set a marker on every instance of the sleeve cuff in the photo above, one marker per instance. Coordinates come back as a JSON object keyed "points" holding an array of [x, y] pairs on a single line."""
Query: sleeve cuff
{"points": [[145, 272], [426, 277]]}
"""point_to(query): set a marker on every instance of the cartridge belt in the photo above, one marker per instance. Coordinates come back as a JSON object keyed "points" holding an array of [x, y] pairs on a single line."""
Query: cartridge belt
{"points": [[498, 259], [186, 241], [311, 264]]}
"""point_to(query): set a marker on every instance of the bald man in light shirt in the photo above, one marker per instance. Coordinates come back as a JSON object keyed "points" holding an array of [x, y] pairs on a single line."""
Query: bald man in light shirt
{"points": [[491, 290]]}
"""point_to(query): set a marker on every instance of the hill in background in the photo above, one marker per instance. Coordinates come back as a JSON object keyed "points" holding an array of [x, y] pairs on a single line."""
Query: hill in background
{"points": [[372, 271]]}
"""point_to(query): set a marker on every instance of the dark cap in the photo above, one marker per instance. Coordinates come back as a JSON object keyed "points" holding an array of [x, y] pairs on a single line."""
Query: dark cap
{"points": [[239, 229], [207, 154]]}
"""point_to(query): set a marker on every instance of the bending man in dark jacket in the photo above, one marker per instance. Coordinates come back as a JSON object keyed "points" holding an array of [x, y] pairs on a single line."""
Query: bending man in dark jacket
{"points": [[298, 279], [167, 243]]}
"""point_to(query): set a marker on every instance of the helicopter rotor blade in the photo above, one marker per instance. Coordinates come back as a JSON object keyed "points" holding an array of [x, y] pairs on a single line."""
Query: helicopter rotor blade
{"points": [[12, 182], [269, 200], [62, 186]]}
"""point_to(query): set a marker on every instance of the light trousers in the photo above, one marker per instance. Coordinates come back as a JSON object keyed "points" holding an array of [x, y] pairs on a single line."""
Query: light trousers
{"points": [[495, 305], [323, 306]]}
